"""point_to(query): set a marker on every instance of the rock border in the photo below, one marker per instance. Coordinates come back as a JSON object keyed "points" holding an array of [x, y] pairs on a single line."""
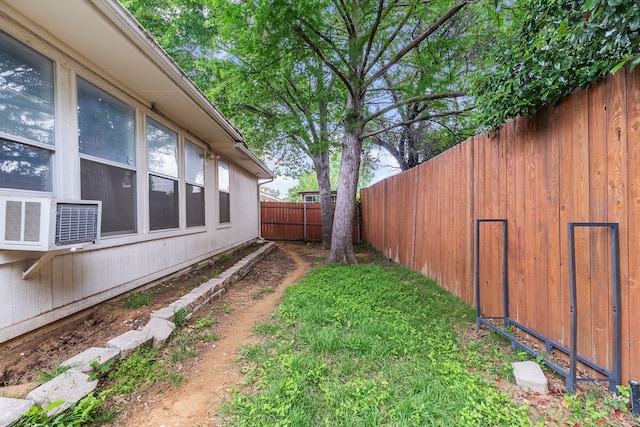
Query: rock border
{"points": [[73, 385]]}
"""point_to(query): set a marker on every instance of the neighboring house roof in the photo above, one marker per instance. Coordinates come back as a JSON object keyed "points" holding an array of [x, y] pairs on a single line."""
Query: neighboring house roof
{"points": [[104, 33], [266, 197]]}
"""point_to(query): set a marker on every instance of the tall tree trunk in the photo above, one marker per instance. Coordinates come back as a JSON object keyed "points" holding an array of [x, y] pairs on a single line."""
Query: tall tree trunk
{"points": [[342, 237], [321, 165]]}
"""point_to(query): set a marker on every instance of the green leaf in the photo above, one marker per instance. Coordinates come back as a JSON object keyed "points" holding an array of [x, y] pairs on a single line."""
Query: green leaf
{"points": [[618, 66], [588, 5]]}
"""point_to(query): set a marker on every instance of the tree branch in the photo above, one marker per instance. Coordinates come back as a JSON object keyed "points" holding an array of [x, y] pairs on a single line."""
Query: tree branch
{"points": [[324, 59], [417, 119], [416, 42], [414, 100], [390, 40], [372, 33]]}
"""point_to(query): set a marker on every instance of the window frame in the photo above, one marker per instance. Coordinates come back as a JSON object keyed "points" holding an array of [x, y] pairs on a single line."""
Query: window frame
{"points": [[48, 148], [189, 183], [130, 166], [163, 175]]}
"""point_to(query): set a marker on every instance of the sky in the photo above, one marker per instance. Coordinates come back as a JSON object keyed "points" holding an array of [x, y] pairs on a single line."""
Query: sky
{"points": [[388, 166]]}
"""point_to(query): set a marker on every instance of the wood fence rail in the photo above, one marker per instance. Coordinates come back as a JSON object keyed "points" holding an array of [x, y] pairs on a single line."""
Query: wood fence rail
{"points": [[578, 161]]}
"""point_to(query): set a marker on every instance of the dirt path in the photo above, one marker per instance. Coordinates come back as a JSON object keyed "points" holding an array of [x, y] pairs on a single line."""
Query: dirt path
{"points": [[194, 403]]}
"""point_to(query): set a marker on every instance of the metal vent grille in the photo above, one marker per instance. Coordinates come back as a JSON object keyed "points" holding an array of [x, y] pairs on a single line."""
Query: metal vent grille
{"points": [[13, 223], [32, 221], [76, 223], [22, 225]]}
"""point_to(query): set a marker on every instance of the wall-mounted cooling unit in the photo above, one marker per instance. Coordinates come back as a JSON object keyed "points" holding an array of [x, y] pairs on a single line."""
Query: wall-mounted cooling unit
{"points": [[48, 224]]}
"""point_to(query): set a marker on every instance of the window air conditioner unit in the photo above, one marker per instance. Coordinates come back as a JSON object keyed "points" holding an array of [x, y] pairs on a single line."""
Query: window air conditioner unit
{"points": [[47, 224]]}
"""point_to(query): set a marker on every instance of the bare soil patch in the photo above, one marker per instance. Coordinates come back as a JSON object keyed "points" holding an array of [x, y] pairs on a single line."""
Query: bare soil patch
{"points": [[22, 360]]}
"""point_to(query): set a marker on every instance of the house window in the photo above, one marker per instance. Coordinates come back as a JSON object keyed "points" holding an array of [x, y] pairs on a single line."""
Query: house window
{"points": [[26, 117], [315, 198], [223, 192], [106, 139], [311, 198], [162, 162], [194, 176]]}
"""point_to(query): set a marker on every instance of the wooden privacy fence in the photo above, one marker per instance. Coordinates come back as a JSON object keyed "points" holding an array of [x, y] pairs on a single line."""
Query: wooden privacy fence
{"points": [[295, 221], [578, 161]]}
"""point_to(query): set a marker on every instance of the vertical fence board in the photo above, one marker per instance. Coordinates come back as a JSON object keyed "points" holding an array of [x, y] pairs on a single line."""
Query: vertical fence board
{"points": [[579, 102], [566, 190], [520, 220], [557, 311], [492, 160], [507, 136], [465, 220], [540, 254], [617, 153], [530, 303], [631, 289], [600, 238]]}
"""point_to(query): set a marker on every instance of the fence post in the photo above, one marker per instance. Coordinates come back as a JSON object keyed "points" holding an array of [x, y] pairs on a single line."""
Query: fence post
{"points": [[304, 221]]}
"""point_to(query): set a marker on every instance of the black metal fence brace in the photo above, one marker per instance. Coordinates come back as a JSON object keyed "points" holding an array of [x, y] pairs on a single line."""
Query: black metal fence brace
{"points": [[613, 377]]}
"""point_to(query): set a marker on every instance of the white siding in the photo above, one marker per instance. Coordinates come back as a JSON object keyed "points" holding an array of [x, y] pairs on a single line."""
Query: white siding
{"points": [[72, 282]]}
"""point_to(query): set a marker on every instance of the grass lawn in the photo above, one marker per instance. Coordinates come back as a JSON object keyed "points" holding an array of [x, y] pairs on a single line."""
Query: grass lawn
{"points": [[372, 345]]}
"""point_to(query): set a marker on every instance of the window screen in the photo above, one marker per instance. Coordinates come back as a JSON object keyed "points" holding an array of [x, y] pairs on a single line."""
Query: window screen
{"points": [[223, 192]]}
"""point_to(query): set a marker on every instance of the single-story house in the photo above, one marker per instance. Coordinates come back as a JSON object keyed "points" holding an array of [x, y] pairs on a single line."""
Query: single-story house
{"points": [[115, 169]]}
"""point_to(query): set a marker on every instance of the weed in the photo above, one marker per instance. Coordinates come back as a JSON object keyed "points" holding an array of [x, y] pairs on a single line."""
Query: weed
{"points": [[138, 299], [181, 293], [181, 317], [227, 308], [101, 370], [253, 353], [183, 344], [224, 258], [139, 369], [57, 369], [209, 336], [204, 322], [82, 413], [267, 328], [176, 379]]}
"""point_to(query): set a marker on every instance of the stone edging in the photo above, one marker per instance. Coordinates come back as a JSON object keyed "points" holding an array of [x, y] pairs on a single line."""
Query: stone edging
{"points": [[72, 385]]}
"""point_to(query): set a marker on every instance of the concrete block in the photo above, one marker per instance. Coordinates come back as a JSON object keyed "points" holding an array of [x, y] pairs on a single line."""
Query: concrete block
{"points": [[212, 285], [227, 274], [11, 410], [83, 361], [159, 329], [186, 302], [129, 341], [530, 376], [68, 388], [164, 313]]}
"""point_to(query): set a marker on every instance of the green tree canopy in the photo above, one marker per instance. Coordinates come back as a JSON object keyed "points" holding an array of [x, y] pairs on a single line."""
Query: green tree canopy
{"points": [[544, 49]]}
